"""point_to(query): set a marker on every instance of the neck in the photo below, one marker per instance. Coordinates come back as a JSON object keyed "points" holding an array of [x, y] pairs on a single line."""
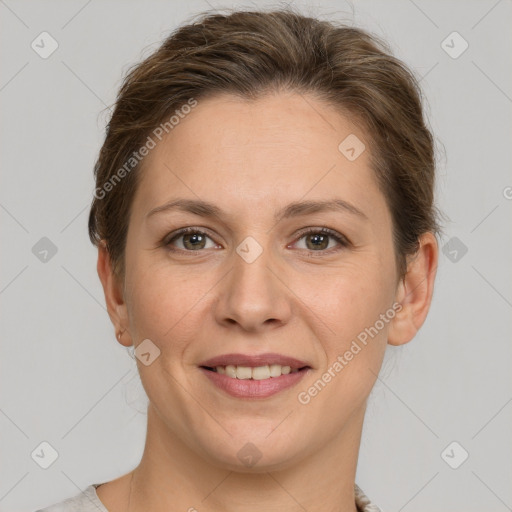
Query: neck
{"points": [[171, 476]]}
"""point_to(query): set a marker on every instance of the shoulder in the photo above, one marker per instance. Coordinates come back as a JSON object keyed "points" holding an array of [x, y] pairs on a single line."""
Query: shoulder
{"points": [[88, 501], [363, 503], [85, 501]]}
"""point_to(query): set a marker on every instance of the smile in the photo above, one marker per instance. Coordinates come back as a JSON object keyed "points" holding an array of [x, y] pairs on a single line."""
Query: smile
{"points": [[257, 373], [254, 382], [254, 375]]}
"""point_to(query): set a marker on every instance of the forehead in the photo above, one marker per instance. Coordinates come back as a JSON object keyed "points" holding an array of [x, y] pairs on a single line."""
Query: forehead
{"points": [[254, 153]]}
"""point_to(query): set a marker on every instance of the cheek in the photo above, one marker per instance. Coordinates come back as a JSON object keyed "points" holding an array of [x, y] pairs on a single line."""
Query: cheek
{"points": [[353, 340], [166, 303], [348, 298], [348, 306], [152, 306]]}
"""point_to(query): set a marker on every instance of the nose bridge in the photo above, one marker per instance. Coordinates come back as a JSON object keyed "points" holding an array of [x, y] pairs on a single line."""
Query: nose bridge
{"points": [[251, 274], [252, 294]]}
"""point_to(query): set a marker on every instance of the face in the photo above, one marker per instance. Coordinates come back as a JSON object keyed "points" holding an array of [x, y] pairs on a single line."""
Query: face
{"points": [[257, 276]]}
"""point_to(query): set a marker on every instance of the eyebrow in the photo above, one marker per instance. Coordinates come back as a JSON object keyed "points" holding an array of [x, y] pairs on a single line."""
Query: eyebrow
{"points": [[206, 209]]}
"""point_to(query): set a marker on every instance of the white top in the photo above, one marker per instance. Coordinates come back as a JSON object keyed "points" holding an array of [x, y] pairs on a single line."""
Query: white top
{"points": [[88, 501]]}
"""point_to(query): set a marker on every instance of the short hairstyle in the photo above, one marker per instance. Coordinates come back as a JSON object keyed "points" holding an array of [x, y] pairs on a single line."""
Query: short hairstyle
{"points": [[253, 53]]}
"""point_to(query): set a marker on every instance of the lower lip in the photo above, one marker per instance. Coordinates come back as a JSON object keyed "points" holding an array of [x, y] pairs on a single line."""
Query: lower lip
{"points": [[250, 388]]}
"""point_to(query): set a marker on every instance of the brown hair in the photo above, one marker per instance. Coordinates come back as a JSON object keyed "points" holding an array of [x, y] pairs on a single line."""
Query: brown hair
{"points": [[250, 53]]}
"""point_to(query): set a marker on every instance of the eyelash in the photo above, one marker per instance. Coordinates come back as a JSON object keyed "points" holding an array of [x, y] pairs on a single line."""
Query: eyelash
{"points": [[343, 241]]}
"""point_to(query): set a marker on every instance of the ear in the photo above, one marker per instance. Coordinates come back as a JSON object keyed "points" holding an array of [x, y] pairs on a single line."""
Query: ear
{"points": [[415, 291], [114, 298]]}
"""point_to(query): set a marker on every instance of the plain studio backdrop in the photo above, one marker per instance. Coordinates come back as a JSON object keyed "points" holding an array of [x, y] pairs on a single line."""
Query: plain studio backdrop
{"points": [[438, 423]]}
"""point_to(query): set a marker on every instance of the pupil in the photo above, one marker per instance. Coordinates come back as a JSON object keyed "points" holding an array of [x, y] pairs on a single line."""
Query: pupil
{"points": [[196, 237], [319, 238]]}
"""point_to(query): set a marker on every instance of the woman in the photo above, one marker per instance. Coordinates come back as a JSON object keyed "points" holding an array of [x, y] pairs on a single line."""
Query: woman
{"points": [[265, 226]]}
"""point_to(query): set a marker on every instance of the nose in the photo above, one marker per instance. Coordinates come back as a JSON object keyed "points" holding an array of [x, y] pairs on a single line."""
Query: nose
{"points": [[253, 295]]}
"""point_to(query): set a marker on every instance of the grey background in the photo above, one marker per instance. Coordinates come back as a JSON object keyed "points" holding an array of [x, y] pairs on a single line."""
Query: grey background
{"points": [[64, 378]]}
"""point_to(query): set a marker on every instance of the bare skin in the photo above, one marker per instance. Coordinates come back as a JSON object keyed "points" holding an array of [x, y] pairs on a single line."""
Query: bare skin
{"points": [[299, 299]]}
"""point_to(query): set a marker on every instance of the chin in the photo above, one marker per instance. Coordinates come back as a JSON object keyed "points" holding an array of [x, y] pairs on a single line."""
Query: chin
{"points": [[252, 452]]}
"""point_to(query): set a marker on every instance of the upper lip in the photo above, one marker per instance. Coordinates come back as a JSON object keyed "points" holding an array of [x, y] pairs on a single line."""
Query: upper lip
{"points": [[254, 360]]}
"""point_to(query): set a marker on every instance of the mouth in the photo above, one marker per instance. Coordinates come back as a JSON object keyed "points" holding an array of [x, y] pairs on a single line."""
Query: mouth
{"points": [[269, 371], [254, 376]]}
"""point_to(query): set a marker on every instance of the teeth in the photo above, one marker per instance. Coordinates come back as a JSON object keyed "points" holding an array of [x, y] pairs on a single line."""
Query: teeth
{"points": [[275, 370], [261, 372], [231, 371], [258, 373], [243, 372]]}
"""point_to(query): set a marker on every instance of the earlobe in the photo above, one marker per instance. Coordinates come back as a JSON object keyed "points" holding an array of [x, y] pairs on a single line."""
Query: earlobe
{"points": [[415, 292], [113, 292]]}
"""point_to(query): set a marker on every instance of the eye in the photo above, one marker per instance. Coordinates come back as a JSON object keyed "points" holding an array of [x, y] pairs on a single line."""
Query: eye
{"points": [[192, 240], [317, 240]]}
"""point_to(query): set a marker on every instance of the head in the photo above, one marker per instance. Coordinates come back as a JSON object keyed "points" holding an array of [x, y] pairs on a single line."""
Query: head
{"points": [[297, 154]]}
